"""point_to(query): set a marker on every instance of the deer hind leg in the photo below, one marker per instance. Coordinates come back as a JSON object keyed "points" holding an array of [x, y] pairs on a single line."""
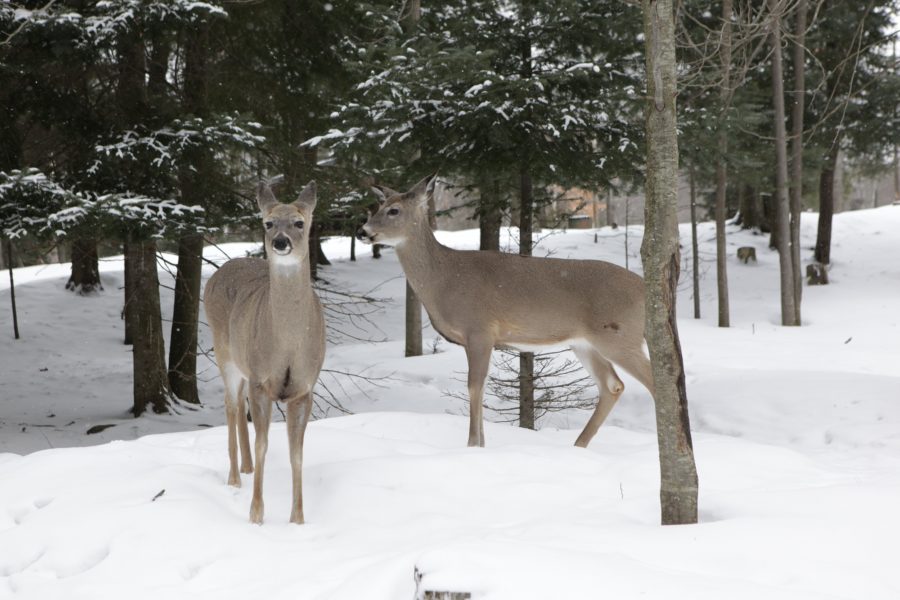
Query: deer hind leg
{"points": [[243, 434], [610, 386], [478, 354], [261, 409], [633, 360], [233, 403], [298, 411]]}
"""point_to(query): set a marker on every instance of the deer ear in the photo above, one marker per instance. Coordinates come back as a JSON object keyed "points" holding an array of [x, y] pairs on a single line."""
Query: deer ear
{"points": [[265, 199], [382, 192], [307, 198], [423, 190]]}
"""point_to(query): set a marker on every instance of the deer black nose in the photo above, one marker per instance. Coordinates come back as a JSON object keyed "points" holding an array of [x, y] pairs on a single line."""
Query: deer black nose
{"points": [[281, 243], [361, 234]]}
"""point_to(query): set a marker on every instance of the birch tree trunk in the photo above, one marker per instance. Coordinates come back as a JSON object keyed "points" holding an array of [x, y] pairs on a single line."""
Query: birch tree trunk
{"points": [[722, 168], [660, 255], [797, 152]]}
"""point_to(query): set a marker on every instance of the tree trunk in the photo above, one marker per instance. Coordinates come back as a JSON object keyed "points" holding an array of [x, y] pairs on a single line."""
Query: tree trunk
{"points": [[826, 206], [320, 253], [151, 386], [526, 359], [353, 246], [194, 177], [751, 209], [783, 239], [489, 221], [413, 13], [797, 153], [317, 256], [526, 390], [721, 168], [128, 308], [185, 319], [12, 288], [659, 251], [413, 304], [413, 323], [695, 257], [85, 276]]}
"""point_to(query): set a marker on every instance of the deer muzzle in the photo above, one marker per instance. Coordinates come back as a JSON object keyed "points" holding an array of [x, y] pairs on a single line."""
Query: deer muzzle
{"points": [[363, 235], [281, 245]]}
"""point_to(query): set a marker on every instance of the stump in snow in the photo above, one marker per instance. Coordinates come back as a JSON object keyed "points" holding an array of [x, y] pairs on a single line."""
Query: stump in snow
{"points": [[816, 274], [746, 253], [423, 594]]}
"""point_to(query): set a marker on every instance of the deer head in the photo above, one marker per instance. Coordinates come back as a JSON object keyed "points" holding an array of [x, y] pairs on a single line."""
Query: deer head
{"points": [[399, 215], [287, 225]]}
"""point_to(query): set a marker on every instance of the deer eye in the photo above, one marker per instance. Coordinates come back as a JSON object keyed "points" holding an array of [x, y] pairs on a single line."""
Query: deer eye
{"points": [[393, 211], [269, 224], [298, 224]]}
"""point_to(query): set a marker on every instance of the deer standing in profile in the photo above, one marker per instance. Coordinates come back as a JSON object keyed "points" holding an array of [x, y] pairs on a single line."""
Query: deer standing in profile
{"points": [[269, 334], [482, 300]]}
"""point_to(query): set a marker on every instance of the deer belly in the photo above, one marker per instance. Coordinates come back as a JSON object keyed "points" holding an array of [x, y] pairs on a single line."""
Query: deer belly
{"points": [[549, 346]]}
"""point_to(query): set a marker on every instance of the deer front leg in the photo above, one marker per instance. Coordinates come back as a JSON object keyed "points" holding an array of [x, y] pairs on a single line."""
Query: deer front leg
{"points": [[478, 354], [243, 434], [298, 411], [261, 409], [232, 403], [231, 418]]}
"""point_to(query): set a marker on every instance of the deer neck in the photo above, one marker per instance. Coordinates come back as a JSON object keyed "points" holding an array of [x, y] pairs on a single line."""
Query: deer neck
{"points": [[290, 295], [423, 258]]}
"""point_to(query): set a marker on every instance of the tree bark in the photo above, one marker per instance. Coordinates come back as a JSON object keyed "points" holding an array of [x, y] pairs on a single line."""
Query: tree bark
{"points": [[526, 359], [413, 304], [782, 208], [85, 275], [826, 205], [12, 288], [660, 254], [128, 309], [413, 323], [193, 178], [151, 386], [695, 257], [489, 221], [752, 214], [721, 168], [797, 153], [352, 246], [185, 319]]}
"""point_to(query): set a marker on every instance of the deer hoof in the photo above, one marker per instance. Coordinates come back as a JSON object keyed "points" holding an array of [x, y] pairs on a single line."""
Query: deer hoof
{"points": [[256, 513], [247, 468], [297, 518], [234, 480]]}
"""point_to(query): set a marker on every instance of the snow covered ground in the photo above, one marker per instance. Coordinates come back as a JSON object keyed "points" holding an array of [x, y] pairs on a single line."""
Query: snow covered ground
{"points": [[796, 433]]}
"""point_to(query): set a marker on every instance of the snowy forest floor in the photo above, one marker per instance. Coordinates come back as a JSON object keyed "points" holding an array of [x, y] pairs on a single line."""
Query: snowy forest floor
{"points": [[796, 434]]}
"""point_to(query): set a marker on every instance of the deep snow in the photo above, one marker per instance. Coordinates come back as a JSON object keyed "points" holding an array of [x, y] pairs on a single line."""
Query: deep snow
{"points": [[795, 430]]}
